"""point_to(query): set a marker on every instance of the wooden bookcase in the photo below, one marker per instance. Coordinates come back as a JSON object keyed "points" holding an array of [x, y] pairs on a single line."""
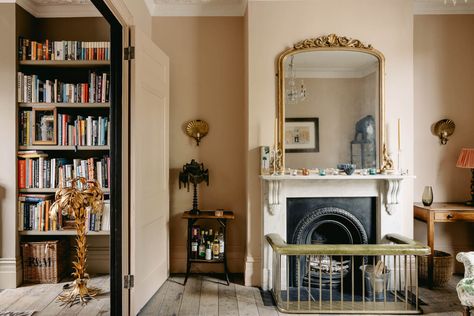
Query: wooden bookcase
{"points": [[70, 71]]}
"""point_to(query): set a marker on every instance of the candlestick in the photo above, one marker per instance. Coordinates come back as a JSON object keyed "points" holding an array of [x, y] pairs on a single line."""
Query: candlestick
{"points": [[276, 134], [399, 132]]}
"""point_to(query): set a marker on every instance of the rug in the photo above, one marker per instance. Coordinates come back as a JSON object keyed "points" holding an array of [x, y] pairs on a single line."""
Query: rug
{"points": [[7, 313]]}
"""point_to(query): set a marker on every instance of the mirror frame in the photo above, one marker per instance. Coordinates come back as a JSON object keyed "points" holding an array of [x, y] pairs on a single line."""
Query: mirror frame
{"points": [[332, 42]]}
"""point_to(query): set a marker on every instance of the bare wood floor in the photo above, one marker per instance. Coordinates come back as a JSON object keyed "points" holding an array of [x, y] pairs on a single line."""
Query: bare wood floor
{"points": [[41, 298], [202, 295], [207, 295]]}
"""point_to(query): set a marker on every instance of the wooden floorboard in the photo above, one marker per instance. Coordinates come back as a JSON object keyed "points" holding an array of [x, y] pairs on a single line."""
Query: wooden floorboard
{"points": [[172, 300], [209, 300], [191, 297], [227, 300]]}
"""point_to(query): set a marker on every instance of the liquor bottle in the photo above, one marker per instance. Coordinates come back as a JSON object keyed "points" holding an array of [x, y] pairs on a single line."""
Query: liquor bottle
{"points": [[215, 248], [194, 244], [210, 237], [208, 251], [202, 248], [220, 237]]}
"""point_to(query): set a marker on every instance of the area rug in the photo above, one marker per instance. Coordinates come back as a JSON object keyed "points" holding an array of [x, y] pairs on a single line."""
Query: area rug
{"points": [[7, 313]]}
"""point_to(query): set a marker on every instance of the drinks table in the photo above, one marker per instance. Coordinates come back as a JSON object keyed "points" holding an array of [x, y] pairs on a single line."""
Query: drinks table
{"points": [[208, 215]]}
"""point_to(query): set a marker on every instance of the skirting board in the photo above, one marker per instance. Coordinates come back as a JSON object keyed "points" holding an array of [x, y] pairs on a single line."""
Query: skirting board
{"points": [[98, 260], [10, 272], [253, 271]]}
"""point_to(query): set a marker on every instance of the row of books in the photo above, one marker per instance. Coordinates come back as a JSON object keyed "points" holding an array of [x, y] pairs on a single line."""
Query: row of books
{"points": [[34, 214], [32, 89], [36, 170], [71, 130], [62, 50], [89, 131]]}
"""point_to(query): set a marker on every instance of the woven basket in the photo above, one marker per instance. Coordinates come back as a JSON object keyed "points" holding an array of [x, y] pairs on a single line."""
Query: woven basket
{"points": [[442, 268], [43, 261]]}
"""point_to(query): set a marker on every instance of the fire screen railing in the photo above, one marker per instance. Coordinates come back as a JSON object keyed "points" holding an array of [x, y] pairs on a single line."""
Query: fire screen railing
{"points": [[370, 279]]}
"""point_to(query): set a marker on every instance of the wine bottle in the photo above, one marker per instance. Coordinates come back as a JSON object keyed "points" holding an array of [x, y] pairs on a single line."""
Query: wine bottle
{"points": [[215, 248], [202, 248], [208, 251], [220, 237], [209, 237], [194, 244]]}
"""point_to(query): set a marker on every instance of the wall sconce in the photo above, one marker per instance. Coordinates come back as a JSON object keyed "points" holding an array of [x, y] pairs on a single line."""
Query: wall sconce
{"points": [[443, 129], [197, 129]]}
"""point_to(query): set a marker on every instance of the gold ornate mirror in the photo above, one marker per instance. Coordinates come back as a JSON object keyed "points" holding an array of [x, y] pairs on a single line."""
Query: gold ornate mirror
{"points": [[331, 104]]}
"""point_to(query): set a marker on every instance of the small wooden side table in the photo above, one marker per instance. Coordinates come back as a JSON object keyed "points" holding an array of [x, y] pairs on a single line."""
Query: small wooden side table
{"points": [[441, 213], [192, 219]]}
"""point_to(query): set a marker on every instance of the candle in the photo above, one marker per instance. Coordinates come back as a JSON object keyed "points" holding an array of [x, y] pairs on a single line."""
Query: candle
{"points": [[399, 131]]}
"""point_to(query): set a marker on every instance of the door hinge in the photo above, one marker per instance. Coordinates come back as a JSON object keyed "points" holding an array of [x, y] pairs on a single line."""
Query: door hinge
{"points": [[128, 281], [129, 53]]}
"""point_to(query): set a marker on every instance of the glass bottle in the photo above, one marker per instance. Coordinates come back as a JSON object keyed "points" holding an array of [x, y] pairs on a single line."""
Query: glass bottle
{"points": [[220, 238], [208, 251], [215, 248], [202, 248], [427, 197], [194, 244]]}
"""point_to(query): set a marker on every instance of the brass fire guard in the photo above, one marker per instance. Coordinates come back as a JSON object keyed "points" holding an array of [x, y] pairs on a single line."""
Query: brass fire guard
{"points": [[325, 278]]}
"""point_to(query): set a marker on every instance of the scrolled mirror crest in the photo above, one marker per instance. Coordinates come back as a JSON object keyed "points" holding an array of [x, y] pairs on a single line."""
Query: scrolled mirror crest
{"points": [[331, 40]]}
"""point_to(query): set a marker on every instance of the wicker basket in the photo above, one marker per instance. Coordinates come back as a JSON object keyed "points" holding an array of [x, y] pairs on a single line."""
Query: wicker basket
{"points": [[43, 261], [442, 268]]}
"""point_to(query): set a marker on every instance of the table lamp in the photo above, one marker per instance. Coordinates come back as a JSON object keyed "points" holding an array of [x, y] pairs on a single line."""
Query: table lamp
{"points": [[466, 160]]}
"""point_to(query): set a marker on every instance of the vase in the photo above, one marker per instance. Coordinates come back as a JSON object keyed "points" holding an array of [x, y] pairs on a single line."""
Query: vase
{"points": [[427, 197]]}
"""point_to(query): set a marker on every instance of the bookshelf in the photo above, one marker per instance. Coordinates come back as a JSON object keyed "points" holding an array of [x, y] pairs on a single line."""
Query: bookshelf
{"points": [[78, 143]]}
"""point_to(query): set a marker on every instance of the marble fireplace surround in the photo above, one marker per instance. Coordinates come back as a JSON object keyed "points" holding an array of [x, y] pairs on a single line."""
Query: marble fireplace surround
{"points": [[277, 189]]}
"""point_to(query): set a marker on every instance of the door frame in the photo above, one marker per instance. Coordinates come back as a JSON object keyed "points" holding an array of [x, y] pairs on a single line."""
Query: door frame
{"points": [[119, 152]]}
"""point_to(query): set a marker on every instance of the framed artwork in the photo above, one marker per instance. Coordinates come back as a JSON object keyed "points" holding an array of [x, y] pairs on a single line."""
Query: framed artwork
{"points": [[44, 130], [302, 135]]}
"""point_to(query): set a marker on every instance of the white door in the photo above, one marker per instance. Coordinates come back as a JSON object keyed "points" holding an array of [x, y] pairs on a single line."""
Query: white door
{"points": [[149, 198]]}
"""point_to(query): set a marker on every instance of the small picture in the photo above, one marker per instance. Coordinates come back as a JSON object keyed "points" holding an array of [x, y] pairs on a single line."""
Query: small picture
{"points": [[302, 135], [44, 131]]}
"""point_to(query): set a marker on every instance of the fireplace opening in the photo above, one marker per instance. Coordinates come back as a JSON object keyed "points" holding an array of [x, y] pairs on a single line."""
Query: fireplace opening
{"points": [[328, 221]]}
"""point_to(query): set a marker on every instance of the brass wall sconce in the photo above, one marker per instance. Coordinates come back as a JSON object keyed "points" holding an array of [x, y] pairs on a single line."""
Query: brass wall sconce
{"points": [[443, 129], [197, 129]]}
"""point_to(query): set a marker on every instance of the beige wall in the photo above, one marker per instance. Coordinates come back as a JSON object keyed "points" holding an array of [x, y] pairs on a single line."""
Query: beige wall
{"points": [[338, 103], [274, 26], [7, 153], [207, 82], [444, 73]]}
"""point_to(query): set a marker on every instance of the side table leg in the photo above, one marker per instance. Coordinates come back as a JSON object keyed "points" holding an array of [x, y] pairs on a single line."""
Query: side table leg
{"points": [[188, 269], [430, 237], [188, 245]]}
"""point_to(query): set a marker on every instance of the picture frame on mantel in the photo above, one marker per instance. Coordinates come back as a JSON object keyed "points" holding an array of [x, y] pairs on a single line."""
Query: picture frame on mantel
{"points": [[302, 135]]}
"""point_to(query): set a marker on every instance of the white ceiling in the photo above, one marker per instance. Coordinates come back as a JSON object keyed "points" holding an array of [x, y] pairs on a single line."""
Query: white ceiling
{"points": [[70, 8]]}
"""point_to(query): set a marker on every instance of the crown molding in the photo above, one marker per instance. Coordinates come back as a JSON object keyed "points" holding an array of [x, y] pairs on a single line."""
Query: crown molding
{"points": [[197, 9], [432, 7], [59, 11]]}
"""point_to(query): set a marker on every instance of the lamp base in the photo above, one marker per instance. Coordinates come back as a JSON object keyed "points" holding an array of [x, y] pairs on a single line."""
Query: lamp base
{"points": [[194, 212]]}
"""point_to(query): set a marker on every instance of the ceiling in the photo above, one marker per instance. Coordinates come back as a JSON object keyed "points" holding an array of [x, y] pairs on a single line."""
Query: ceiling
{"points": [[68, 8]]}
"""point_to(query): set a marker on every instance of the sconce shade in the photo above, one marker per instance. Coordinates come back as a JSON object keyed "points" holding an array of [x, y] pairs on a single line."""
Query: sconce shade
{"points": [[466, 158]]}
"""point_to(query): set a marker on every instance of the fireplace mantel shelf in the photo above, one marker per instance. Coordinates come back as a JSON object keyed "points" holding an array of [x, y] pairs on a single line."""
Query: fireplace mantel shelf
{"points": [[337, 177], [391, 192]]}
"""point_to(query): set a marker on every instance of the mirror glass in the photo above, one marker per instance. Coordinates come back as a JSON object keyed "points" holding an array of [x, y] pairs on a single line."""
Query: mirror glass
{"points": [[332, 107]]}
